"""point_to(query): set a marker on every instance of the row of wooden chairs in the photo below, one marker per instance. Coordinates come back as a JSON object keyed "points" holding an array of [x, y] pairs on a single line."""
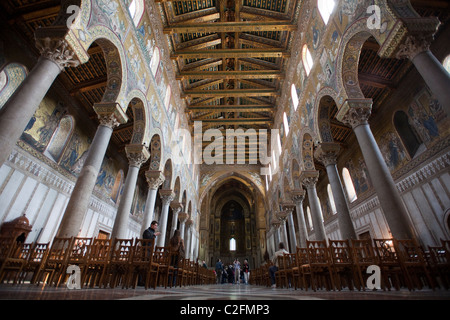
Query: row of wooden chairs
{"points": [[101, 263], [339, 264]]}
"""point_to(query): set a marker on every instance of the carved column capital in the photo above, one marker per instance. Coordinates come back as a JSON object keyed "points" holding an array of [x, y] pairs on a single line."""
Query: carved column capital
{"points": [[183, 217], [282, 216], [327, 153], [58, 51], [355, 112], [276, 223], [298, 195], [167, 196], [413, 45], [176, 207], [110, 114], [287, 206], [155, 178], [419, 36], [137, 154], [309, 178], [189, 223]]}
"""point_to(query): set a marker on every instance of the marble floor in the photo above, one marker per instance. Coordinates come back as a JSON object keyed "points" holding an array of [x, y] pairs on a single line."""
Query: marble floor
{"points": [[225, 292]]}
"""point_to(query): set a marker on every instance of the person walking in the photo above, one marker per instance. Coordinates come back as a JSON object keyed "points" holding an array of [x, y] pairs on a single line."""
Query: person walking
{"points": [[237, 271], [219, 271], [246, 269]]}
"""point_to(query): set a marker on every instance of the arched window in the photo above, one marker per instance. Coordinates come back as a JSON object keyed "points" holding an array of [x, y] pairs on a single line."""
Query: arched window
{"points": [[307, 59], [136, 9], [331, 199], [232, 244], [279, 143], [167, 97], [118, 182], [308, 216], [154, 63], [294, 96], [406, 132], [446, 63], [351, 192], [286, 124], [326, 9], [11, 77], [274, 160], [60, 138]]}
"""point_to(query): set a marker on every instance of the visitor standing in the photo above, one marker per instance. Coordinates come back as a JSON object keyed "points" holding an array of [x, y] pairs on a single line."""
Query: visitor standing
{"points": [[246, 269]]}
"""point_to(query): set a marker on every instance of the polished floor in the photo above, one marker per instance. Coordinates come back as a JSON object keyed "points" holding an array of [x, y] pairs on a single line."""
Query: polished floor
{"points": [[224, 292]]}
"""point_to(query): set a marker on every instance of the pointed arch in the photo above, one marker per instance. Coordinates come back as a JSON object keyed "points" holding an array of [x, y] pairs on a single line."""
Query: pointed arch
{"points": [[155, 153], [136, 10], [168, 171], [296, 174], [308, 152], [11, 77], [60, 138]]}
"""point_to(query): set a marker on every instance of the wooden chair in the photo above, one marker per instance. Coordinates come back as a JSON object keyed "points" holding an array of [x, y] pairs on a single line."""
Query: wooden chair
{"points": [[320, 265], [142, 266], [300, 269], [14, 260], [413, 262], [183, 272], [363, 257], [119, 263], [284, 273], [36, 260], [191, 272], [342, 261], [96, 263], [265, 274], [161, 256], [440, 265], [55, 265], [391, 269], [78, 254], [7, 246]]}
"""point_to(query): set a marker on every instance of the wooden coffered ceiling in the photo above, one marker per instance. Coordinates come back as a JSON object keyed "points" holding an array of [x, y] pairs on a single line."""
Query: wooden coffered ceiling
{"points": [[230, 57]]}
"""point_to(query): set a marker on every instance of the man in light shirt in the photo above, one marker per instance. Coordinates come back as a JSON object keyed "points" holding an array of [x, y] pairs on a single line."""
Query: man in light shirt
{"points": [[274, 268]]}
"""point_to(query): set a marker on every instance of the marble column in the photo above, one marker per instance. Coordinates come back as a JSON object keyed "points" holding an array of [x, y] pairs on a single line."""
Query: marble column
{"points": [[154, 179], [297, 196], [176, 209], [416, 48], [309, 180], [110, 116], [187, 241], [182, 217], [56, 54], [282, 217], [356, 112], [137, 155], [276, 233], [289, 208], [327, 153], [196, 246], [167, 197]]}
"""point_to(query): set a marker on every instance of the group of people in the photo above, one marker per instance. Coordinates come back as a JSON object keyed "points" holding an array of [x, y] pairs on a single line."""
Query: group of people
{"points": [[232, 272]]}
